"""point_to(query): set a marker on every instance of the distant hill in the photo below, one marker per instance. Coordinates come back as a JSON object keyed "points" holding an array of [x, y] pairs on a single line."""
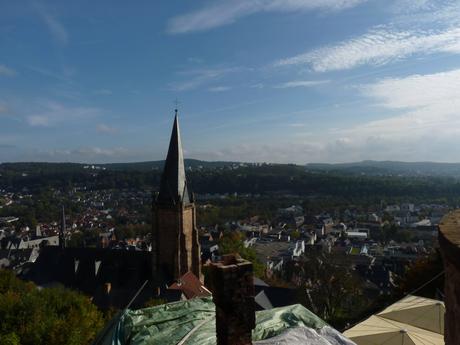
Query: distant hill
{"points": [[368, 167], [45, 167], [390, 168]]}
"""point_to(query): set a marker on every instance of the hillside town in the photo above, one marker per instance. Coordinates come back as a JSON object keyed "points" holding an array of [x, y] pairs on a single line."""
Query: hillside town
{"points": [[378, 243]]}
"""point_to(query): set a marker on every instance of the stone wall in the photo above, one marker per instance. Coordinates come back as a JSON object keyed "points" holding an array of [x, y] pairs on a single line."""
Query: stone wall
{"points": [[449, 241]]}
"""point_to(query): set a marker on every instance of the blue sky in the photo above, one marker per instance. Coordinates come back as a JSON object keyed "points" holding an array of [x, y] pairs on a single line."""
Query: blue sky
{"points": [[257, 80]]}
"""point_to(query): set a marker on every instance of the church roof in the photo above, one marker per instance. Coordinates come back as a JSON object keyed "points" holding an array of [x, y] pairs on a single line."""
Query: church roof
{"points": [[173, 186]]}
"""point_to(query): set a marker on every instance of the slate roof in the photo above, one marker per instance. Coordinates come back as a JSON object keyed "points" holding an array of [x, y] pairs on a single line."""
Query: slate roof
{"points": [[89, 270], [173, 185]]}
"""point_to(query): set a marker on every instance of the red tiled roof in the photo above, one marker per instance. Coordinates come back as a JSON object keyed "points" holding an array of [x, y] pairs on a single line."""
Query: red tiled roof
{"points": [[190, 286]]}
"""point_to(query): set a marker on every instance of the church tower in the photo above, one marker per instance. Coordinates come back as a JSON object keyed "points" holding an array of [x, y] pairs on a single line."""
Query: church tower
{"points": [[175, 245]]}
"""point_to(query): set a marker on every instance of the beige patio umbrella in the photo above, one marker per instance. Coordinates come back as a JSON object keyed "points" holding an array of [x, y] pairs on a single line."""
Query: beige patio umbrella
{"points": [[378, 330], [417, 311]]}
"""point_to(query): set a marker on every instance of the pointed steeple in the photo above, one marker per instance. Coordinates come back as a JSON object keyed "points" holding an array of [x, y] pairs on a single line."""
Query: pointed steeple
{"points": [[173, 187], [62, 229]]}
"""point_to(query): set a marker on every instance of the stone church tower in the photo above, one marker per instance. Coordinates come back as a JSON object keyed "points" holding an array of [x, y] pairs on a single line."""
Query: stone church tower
{"points": [[176, 249]]}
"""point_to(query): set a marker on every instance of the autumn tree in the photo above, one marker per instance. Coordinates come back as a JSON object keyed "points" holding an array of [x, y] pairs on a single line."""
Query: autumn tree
{"points": [[329, 287]]}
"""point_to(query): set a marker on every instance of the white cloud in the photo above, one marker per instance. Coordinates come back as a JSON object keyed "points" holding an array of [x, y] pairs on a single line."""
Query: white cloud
{"points": [[51, 113], [221, 13], [53, 24], [430, 103], [444, 12], [377, 47], [301, 83], [417, 91], [426, 124], [103, 128], [6, 71]]}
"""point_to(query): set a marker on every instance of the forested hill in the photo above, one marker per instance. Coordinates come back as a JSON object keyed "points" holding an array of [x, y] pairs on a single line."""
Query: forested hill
{"points": [[232, 178], [391, 168]]}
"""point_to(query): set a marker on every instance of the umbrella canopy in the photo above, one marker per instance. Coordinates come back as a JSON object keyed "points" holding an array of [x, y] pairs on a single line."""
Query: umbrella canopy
{"points": [[378, 330], [417, 311]]}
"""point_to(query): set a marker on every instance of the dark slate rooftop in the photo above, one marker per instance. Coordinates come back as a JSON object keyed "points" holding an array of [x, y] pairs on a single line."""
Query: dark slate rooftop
{"points": [[173, 186], [92, 270]]}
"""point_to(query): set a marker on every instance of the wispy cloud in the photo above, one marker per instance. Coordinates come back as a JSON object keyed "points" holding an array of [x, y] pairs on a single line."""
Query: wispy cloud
{"points": [[54, 26], [301, 83], [198, 77], [221, 13], [64, 77], [104, 128], [219, 88], [6, 71], [377, 47], [51, 113]]}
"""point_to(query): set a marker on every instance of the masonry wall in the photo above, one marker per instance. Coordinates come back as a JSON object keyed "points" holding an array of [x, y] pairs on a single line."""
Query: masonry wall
{"points": [[177, 247], [449, 240]]}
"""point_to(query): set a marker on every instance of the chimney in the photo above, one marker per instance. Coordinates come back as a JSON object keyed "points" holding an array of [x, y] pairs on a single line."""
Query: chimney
{"points": [[232, 285]]}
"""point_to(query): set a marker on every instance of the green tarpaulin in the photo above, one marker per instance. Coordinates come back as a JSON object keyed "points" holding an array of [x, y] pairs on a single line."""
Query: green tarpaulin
{"points": [[193, 322]]}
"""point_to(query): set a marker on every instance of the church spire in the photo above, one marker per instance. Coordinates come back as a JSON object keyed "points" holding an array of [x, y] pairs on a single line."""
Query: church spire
{"points": [[173, 187]]}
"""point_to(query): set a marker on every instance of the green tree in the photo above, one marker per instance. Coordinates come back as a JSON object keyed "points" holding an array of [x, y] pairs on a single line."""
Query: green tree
{"points": [[233, 242], [51, 316]]}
